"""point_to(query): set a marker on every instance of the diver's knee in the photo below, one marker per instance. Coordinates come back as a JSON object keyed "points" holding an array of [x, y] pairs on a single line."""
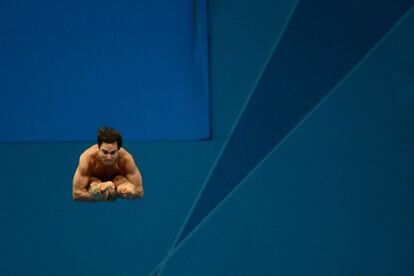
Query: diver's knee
{"points": [[118, 178]]}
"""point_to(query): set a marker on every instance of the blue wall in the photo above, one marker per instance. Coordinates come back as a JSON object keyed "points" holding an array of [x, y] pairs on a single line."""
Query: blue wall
{"points": [[71, 66], [330, 195]]}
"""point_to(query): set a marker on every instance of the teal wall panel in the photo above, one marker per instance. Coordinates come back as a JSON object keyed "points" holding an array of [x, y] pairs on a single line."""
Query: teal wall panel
{"points": [[332, 198]]}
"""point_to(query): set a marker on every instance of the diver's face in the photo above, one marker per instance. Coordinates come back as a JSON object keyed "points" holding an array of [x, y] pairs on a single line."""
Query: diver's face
{"points": [[108, 153]]}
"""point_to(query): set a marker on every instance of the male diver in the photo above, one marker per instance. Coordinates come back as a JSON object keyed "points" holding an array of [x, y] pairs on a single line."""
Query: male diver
{"points": [[107, 171]]}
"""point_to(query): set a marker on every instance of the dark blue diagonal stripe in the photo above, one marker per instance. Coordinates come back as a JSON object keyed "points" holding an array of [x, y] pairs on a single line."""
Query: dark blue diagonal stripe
{"points": [[322, 42]]}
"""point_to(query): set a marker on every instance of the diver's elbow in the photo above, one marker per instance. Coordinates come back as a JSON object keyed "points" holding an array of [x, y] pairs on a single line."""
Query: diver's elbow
{"points": [[139, 194], [77, 196]]}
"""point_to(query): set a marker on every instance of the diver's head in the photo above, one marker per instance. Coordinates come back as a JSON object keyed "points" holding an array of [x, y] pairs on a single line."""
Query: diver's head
{"points": [[109, 143]]}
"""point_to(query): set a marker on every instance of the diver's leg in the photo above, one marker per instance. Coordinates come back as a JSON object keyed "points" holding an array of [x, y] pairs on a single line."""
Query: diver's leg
{"points": [[119, 179], [124, 187]]}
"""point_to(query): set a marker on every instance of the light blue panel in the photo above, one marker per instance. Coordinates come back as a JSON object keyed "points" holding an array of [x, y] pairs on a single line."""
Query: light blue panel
{"points": [[310, 59], [243, 35], [336, 197], [70, 66], [44, 232]]}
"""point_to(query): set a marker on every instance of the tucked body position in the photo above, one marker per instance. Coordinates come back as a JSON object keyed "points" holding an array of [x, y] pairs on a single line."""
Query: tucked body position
{"points": [[106, 171]]}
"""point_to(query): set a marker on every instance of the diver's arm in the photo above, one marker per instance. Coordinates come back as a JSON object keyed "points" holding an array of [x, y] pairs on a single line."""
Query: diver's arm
{"points": [[129, 185], [81, 182], [134, 176]]}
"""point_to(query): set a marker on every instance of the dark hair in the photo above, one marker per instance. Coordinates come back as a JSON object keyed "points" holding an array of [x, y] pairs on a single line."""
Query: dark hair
{"points": [[109, 135]]}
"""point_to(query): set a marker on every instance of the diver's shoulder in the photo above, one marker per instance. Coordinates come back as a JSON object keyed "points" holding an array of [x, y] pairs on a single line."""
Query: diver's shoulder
{"points": [[89, 153], [125, 155], [124, 152]]}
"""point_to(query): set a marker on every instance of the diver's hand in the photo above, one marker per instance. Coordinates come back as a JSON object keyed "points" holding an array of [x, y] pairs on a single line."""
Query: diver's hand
{"points": [[108, 186], [102, 190], [126, 190]]}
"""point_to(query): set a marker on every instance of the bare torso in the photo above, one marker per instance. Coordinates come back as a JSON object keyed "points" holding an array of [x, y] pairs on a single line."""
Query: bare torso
{"points": [[104, 172]]}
